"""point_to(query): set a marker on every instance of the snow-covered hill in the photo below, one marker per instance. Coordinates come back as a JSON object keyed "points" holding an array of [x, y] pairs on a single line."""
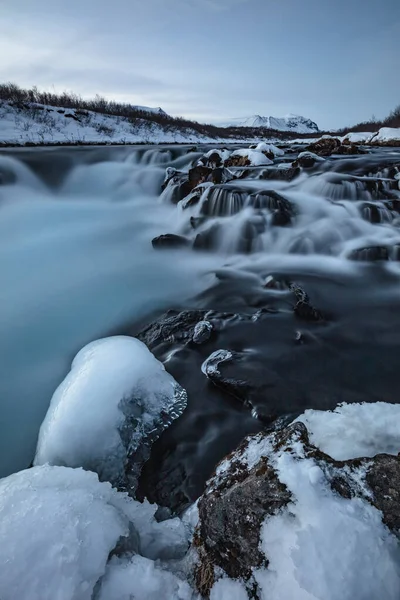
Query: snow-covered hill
{"points": [[290, 122], [41, 124]]}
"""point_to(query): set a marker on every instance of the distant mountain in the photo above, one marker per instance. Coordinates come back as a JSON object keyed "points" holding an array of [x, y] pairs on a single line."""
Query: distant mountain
{"points": [[290, 122]]}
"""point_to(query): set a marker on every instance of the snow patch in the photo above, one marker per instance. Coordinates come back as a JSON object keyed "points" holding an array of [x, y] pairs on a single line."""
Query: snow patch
{"points": [[324, 546], [355, 430]]}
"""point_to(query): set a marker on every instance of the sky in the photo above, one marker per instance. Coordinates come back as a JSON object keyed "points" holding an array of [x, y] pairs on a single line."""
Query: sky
{"points": [[334, 61]]}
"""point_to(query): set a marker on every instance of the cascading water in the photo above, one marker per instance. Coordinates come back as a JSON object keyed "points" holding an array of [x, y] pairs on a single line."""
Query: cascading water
{"points": [[77, 263]]}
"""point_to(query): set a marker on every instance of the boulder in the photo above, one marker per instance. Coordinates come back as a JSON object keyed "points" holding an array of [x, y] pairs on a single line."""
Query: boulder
{"points": [[281, 173], [324, 146], [197, 175], [170, 240], [246, 491]]}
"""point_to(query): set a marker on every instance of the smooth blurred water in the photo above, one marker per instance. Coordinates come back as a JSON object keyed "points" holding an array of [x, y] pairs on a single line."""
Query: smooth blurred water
{"points": [[76, 262]]}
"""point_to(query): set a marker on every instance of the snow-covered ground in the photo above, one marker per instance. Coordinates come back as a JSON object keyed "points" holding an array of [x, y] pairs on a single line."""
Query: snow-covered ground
{"points": [[42, 124]]}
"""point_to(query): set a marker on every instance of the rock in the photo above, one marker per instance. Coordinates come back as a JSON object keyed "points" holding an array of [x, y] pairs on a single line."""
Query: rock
{"points": [[246, 490], [208, 239], [170, 240], [214, 160], [237, 161], [198, 175], [171, 326], [303, 309], [193, 198], [383, 478], [221, 175], [275, 284], [179, 183], [245, 376], [282, 210], [349, 149], [281, 174], [202, 332], [370, 253], [324, 146], [306, 160]]}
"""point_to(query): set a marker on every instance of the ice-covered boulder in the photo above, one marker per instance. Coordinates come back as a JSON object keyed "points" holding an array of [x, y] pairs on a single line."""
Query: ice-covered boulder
{"points": [[291, 522], [111, 407]]}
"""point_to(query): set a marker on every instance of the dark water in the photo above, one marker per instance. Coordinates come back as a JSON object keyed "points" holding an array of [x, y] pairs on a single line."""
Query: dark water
{"points": [[77, 264]]}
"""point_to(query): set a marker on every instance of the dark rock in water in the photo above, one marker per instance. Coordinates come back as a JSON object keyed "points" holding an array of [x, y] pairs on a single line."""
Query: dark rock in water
{"points": [[245, 491], [214, 160], [170, 240], [171, 327], [349, 149], [281, 174], [244, 376], [324, 146], [282, 210], [306, 161], [221, 175], [202, 332], [303, 309], [170, 173], [371, 253], [198, 175], [193, 198], [208, 239]]}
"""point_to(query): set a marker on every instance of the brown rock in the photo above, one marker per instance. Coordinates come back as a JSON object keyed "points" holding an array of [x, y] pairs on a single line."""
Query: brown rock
{"points": [[324, 146]]}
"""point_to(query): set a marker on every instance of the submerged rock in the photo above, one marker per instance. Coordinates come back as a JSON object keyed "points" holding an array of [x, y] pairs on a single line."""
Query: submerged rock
{"points": [[170, 240]]}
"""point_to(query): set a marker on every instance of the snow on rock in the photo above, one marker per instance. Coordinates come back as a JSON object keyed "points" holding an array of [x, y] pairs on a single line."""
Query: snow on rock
{"points": [[269, 148], [386, 136], [141, 579], [356, 137], [223, 154], [57, 527], [112, 405], [312, 155], [355, 430], [326, 530], [228, 589], [324, 546], [247, 157]]}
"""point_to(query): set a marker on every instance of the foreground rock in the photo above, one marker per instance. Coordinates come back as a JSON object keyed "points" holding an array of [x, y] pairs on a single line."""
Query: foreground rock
{"points": [[273, 479]]}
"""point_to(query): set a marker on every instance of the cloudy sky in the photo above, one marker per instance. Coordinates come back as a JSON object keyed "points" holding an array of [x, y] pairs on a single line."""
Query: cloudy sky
{"points": [[335, 61]]}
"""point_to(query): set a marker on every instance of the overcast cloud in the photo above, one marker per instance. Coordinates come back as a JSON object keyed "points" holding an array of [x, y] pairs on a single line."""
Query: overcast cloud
{"points": [[335, 62]]}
